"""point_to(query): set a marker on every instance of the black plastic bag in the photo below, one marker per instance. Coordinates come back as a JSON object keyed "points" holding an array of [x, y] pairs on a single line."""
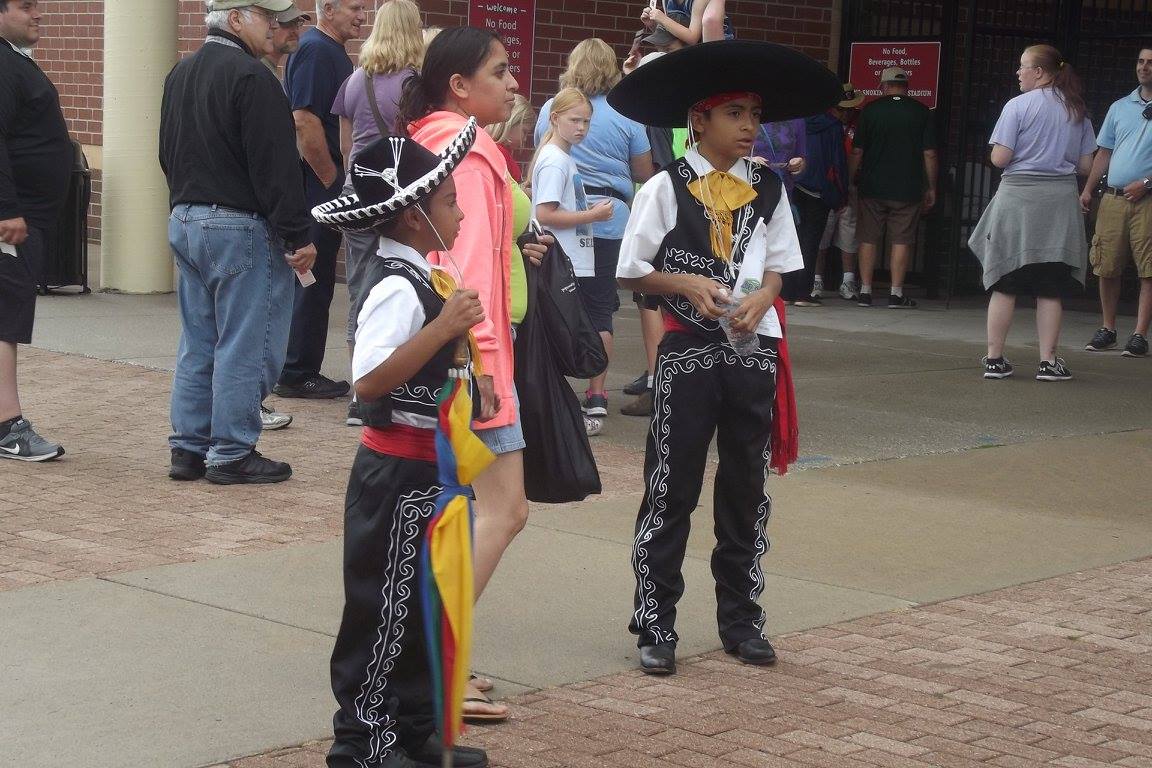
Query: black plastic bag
{"points": [[558, 462], [576, 345]]}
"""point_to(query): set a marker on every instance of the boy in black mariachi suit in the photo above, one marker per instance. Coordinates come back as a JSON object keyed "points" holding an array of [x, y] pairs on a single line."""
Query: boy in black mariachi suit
{"points": [[711, 230], [405, 342]]}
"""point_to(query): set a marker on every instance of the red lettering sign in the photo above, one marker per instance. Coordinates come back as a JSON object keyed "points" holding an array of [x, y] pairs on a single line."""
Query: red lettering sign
{"points": [[920, 60], [515, 22]]}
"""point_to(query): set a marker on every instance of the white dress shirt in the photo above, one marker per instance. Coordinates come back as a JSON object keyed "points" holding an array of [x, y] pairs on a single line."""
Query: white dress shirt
{"points": [[392, 314], [773, 246]]}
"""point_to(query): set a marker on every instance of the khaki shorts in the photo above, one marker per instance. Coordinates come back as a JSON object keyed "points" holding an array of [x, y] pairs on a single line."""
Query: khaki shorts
{"points": [[899, 218], [840, 230], [1123, 232]]}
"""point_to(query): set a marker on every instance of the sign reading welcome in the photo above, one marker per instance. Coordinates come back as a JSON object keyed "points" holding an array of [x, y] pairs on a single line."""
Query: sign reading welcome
{"points": [[515, 22]]}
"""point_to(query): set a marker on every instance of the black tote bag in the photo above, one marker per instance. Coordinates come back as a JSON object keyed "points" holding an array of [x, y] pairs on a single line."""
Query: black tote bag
{"points": [[558, 462], [577, 346]]}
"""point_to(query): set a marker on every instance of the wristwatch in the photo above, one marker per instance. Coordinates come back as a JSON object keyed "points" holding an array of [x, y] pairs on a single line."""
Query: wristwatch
{"points": [[1147, 184]]}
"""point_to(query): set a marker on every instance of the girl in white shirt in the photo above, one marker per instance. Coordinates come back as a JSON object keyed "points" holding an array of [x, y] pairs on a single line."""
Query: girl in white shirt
{"points": [[560, 204]]}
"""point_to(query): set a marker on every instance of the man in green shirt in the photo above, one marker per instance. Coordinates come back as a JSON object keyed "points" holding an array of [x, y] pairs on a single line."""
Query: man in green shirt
{"points": [[894, 164]]}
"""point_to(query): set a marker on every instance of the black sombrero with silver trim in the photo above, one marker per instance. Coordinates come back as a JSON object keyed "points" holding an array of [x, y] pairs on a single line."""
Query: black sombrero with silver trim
{"points": [[389, 175], [790, 84]]}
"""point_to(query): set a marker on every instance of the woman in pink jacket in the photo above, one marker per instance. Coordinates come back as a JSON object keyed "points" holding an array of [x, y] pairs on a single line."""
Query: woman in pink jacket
{"points": [[465, 74]]}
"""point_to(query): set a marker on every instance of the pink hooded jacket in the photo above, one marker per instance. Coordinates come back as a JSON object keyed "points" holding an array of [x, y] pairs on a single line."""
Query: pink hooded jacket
{"points": [[483, 248]]}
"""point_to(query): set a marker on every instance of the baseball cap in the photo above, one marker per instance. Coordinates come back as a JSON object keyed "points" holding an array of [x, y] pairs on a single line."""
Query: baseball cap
{"points": [[662, 36], [276, 6], [852, 97], [291, 15], [894, 75]]}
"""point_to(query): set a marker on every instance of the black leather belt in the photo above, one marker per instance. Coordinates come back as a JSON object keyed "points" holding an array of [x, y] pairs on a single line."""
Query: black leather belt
{"points": [[1117, 191], [605, 192]]}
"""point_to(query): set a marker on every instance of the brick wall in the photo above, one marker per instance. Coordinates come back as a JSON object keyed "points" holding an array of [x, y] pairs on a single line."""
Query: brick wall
{"points": [[71, 50]]}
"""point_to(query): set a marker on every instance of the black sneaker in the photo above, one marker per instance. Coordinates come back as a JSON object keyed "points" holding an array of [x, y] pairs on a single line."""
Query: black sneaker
{"points": [[186, 465], [864, 300], [998, 368], [637, 385], [595, 405], [1056, 371], [901, 302], [810, 301], [253, 468], [316, 387], [1137, 346], [1103, 339], [354, 419]]}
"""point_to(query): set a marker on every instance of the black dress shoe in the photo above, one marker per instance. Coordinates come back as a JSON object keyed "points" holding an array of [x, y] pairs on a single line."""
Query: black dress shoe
{"points": [[658, 659], [186, 465], [756, 650], [432, 754], [253, 468], [316, 387]]}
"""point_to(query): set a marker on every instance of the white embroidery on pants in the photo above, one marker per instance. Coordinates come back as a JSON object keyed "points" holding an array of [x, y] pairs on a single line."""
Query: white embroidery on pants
{"points": [[395, 593]]}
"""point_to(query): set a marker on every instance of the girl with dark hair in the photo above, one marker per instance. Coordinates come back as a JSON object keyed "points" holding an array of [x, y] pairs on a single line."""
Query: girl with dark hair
{"points": [[1030, 239], [466, 74]]}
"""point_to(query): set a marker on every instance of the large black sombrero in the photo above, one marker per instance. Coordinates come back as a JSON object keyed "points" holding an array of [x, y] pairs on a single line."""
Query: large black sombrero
{"points": [[790, 84], [389, 175]]}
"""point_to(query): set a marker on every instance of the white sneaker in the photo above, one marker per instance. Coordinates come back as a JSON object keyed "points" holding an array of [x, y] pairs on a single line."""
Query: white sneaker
{"points": [[593, 425], [818, 287], [270, 419], [849, 291]]}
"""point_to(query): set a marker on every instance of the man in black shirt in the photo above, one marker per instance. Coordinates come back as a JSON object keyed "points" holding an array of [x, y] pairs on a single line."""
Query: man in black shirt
{"points": [[35, 163], [239, 226], [312, 77]]}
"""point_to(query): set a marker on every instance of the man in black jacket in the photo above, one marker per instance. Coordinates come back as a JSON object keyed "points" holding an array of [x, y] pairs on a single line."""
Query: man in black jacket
{"points": [[35, 163], [239, 226]]}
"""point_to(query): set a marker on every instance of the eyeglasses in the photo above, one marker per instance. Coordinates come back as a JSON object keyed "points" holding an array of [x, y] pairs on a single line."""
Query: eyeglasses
{"points": [[1147, 113], [268, 16]]}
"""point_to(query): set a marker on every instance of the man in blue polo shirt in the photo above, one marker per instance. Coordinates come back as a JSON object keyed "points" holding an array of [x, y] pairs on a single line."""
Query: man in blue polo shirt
{"points": [[312, 78], [1124, 221]]}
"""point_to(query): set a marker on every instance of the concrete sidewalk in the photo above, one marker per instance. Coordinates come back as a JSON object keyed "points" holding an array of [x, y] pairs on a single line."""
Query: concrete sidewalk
{"points": [[150, 623]]}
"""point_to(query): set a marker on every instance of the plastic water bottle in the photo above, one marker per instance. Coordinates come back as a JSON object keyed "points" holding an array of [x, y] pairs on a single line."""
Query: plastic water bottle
{"points": [[742, 342]]}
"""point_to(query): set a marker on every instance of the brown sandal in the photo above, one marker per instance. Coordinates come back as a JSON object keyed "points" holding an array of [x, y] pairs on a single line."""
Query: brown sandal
{"points": [[483, 718]]}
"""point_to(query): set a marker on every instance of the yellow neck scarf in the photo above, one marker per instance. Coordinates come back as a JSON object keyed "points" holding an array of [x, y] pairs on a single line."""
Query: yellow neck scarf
{"points": [[721, 193], [445, 286]]}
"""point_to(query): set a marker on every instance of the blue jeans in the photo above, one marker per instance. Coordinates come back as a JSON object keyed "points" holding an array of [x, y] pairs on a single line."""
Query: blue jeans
{"points": [[236, 310]]}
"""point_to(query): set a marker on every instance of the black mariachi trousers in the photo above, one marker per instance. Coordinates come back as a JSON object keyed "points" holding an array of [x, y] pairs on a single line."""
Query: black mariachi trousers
{"points": [[703, 388], [380, 673]]}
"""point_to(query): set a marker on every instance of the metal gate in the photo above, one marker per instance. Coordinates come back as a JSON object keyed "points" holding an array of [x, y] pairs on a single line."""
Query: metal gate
{"points": [[982, 42]]}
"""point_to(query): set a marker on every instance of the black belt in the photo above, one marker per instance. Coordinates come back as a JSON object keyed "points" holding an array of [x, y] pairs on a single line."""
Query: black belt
{"points": [[1117, 191], [605, 192]]}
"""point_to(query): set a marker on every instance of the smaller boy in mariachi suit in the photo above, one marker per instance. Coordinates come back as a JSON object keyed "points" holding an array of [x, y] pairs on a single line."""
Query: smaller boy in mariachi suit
{"points": [[406, 338], [711, 229]]}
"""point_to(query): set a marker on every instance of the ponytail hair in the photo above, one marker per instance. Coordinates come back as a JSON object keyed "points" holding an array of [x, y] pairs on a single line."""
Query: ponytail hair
{"points": [[455, 51], [567, 99], [1066, 84]]}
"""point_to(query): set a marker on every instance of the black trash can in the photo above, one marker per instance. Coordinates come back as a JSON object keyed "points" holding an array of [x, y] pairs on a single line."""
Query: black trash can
{"points": [[66, 257]]}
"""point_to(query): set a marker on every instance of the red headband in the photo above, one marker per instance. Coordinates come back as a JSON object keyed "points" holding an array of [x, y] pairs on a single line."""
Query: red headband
{"points": [[723, 98]]}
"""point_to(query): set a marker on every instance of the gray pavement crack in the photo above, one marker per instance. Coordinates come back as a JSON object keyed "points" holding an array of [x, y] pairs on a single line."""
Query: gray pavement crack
{"points": [[225, 609]]}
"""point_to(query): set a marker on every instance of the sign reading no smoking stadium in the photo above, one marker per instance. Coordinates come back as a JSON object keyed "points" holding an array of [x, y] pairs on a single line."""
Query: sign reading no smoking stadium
{"points": [[515, 22], [920, 60]]}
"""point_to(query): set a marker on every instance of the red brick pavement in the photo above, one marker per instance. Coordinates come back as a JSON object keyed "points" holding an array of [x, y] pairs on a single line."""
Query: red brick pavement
{"points": [[108, 506], [1057, 673]]}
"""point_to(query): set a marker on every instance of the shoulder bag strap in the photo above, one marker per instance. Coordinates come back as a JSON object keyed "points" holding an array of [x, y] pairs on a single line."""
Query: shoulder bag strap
{"points": [[370, 92]]}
